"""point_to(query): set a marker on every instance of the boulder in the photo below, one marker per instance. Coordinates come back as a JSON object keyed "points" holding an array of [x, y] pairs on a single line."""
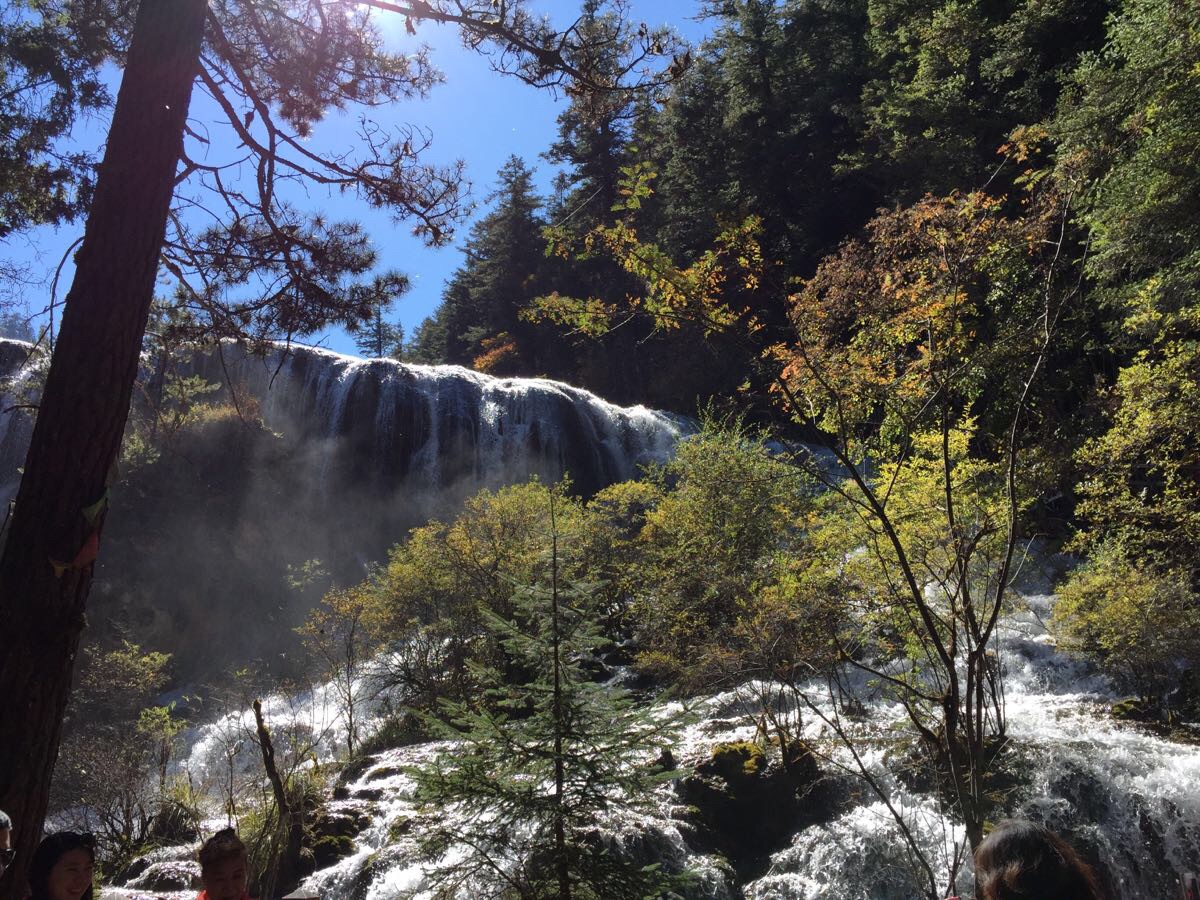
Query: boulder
{"points": [[744, 804], [333, 833]]}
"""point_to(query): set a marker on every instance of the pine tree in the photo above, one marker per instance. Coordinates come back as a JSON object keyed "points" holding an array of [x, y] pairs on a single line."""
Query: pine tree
{"points": [[592, 137], [541, 761], [505, 258], [377, 338], [428, 344]]}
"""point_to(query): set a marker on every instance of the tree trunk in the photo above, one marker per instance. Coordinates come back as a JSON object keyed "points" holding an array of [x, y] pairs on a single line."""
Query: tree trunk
{"points": [[83, 410], [284, 875]]}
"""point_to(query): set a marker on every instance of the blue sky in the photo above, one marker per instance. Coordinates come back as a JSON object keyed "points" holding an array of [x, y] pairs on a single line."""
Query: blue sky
{"points": [[476, 116]]}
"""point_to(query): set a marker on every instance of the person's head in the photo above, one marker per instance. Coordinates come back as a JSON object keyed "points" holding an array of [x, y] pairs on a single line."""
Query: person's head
{"points": [[223, 866], [62, 867], [1023, 861], [6, 848]]}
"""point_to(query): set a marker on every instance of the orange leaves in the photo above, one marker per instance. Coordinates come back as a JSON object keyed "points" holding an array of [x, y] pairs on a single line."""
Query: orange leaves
{"points": [[888, 327], [498, 351]]}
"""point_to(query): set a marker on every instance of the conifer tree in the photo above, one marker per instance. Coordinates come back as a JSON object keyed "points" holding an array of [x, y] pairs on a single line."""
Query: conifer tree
{"points": [[505, 259], [379, 338], [539, 761]]}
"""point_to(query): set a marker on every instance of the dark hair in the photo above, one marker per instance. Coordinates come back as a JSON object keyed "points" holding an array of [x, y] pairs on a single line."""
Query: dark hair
{"points": [[1020, 860], [223, 845], [53, 848]]}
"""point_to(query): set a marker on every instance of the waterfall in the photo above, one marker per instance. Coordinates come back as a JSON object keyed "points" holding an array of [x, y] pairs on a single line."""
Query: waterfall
{"points": [[1124, 796], [371, 448], [20, 372], [442, 428], [383, 424]]}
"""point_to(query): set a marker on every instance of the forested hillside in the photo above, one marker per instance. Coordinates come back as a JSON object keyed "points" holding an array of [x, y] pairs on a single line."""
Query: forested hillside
{"points": [[892, 536], [855, 141], [812, 116]]}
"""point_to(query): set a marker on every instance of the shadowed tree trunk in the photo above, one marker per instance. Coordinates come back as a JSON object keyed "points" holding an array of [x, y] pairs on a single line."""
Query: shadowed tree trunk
{"points": [[283, 873], [46, 568]]}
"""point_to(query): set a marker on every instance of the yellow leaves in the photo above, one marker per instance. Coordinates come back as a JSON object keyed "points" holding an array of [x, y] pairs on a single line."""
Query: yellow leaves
{"points": [[886, 325], [673, 295], [635, 186], [589, 316]]}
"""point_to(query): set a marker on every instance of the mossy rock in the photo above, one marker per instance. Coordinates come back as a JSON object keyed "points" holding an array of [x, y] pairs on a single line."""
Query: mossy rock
{"points": [[384, 772], [1131, 709], [329, 849], [356, 767], [745, 803], [399, 829], [332, 836], [738, 761], [343, 822]]}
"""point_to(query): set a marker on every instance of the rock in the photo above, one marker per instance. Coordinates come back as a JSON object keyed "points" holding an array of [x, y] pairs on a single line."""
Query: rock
{"points": [[398, 829], [333, 833], [744, 805], [356, 767], [384, 772], [173, 875], [163, 865]]}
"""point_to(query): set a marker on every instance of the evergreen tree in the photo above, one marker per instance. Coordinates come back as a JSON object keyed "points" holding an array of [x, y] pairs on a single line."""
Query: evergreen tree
{"points": [[505, 261], [694, 181], [50, 78], [543, 759], [428, 343], [592, 136], [950, 80], [378, 338]]}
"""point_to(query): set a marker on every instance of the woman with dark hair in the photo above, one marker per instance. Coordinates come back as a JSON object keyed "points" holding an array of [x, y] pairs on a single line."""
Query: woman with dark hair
{"points": [[1023, 861], [62, 867]]}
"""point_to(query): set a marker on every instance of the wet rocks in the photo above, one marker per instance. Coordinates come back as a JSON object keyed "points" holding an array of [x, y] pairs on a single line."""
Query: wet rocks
{"points": [[166, 869], [745, 804], [334, 830]]}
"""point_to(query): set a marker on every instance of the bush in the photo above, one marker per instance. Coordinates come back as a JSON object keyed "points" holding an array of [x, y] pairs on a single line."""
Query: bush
{"points": [[439, 584], [720, 536], [1142, 627]]}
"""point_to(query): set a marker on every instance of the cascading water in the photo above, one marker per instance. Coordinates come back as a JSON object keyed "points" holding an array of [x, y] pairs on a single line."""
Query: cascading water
{"points": [[1127, 798], [443, 428], [19, 370], [433, 431]]}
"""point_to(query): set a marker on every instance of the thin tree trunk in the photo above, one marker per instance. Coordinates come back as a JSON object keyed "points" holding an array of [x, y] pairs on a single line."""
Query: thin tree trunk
{"points": [[287, 868], [83, 410]]}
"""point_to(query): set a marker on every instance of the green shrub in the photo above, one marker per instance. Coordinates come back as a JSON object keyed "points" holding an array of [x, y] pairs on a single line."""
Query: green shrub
{"points": [[1139, 625]]}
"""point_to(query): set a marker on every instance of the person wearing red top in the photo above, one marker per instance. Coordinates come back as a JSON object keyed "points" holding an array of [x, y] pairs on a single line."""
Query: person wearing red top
{"points": [[223, 867]]}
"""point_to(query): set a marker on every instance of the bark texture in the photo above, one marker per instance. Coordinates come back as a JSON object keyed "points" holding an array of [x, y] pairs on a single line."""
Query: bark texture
{"points": [[82, 414]]}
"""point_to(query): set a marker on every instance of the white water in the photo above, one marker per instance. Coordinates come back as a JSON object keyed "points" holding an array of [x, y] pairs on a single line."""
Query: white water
{"points": [[1126, 797], [19, 371], [428, 434], [439, 426]]}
